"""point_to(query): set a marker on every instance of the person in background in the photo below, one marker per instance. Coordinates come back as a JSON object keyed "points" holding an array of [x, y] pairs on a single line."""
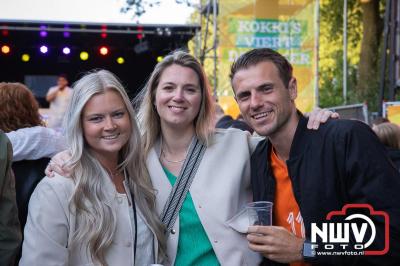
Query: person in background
{"points": [[308, 174], [58, 96], [103, 212], [226, 121], [10, 233], [21, 121], [222, 120], [379, 120], [242, 125], [389, 135]]}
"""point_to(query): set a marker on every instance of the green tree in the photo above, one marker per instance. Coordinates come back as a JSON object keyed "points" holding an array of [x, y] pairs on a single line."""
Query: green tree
{"points": [[364, 33], [331, 51], [367, 83]]}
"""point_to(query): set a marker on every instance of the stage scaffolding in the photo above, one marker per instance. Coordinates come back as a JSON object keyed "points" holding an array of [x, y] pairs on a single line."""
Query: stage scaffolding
{"points": [[209, 29]]}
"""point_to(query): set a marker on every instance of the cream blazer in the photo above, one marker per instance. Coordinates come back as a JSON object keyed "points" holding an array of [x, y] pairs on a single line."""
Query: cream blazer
{"points": [[50, 223], [220, 191]]}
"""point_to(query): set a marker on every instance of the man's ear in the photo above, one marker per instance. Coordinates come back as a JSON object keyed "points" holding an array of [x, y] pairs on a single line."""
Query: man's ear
{"points": [[293, 89]]}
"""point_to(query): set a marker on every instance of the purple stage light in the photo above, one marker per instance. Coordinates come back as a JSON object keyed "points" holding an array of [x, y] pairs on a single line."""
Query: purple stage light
{"points": [[44, 49], [66, 33], [66, 50], [43, 32]]}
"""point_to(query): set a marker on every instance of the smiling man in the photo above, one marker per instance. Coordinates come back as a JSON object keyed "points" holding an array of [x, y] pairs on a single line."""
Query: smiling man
{"points": [[307, 174]]}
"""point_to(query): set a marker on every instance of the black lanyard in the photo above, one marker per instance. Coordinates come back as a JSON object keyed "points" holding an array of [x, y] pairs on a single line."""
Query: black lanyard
{"points": [[135, 222]]}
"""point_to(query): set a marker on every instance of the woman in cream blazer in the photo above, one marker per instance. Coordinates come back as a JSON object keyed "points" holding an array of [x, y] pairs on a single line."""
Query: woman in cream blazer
{"points": [[103, 211], [51, 199], [176, 107], [220, 191]]}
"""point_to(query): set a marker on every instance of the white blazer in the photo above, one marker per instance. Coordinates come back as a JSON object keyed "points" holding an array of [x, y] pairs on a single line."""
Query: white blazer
{"points": [[220, 190], [50, 224]]}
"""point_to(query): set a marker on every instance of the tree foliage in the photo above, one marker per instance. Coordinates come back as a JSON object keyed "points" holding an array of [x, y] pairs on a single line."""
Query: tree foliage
{"points": [[331, 50], [363, 75], [138, 7]]}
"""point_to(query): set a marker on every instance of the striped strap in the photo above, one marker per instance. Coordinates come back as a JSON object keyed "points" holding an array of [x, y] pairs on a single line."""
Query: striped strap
{"points": [[182, 184]]}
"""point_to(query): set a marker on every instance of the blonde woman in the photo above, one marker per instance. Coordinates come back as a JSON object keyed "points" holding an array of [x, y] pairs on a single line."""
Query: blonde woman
{"points": [[176, 113], [177, 106], [103, 212]]}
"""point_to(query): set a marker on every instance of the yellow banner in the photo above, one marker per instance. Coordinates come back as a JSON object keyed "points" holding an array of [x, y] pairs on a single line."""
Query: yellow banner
{"points": [[393, 113], [283, 25]]}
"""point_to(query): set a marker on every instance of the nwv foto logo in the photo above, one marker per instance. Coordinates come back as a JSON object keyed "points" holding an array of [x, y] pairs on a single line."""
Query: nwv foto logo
{"points": [[337, 235]]}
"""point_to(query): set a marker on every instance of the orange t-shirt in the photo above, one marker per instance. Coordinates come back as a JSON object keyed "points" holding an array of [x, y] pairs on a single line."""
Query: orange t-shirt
{"points": [[286, 210]]}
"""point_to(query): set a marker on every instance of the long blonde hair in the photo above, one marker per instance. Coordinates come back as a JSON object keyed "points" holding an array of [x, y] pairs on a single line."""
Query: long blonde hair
{"points": [[149, 117], [96, 220]]}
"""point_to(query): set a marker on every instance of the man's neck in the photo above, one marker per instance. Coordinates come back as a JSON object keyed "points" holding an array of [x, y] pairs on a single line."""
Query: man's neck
{"points": [[282, 140]]}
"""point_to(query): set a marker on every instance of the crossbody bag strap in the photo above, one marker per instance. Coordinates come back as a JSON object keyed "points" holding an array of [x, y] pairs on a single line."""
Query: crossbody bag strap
{"points": [[182, 184]]}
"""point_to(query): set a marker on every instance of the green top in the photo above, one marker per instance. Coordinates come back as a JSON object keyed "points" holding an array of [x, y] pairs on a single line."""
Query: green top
{"points": [[194, 247]]}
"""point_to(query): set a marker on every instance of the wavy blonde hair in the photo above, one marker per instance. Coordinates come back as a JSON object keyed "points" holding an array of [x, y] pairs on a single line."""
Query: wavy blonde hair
{"points": [[148, 115], [96, 220]]}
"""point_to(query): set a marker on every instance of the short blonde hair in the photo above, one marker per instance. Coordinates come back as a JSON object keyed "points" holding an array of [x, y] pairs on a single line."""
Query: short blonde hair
{"points": [[149, 117]]}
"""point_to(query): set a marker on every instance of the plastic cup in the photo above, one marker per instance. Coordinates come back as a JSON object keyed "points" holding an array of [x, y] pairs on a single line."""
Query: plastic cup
{"points": [[259, 212]]}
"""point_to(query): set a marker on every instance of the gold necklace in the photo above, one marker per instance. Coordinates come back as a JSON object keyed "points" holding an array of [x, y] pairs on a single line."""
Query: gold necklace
{"points": [[171, 161], [114, 174], [164, 157]]}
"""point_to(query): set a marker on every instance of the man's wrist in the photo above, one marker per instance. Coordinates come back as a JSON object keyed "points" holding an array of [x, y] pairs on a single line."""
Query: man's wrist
{"points": [[301, 247], [308, 252]]}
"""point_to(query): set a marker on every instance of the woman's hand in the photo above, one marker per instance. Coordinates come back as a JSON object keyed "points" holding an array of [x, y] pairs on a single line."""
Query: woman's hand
{"points": [[318, 116], [58, 165]]}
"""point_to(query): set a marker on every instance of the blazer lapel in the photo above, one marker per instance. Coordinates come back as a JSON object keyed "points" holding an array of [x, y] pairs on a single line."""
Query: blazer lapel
{"points": [[159, 179]]}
